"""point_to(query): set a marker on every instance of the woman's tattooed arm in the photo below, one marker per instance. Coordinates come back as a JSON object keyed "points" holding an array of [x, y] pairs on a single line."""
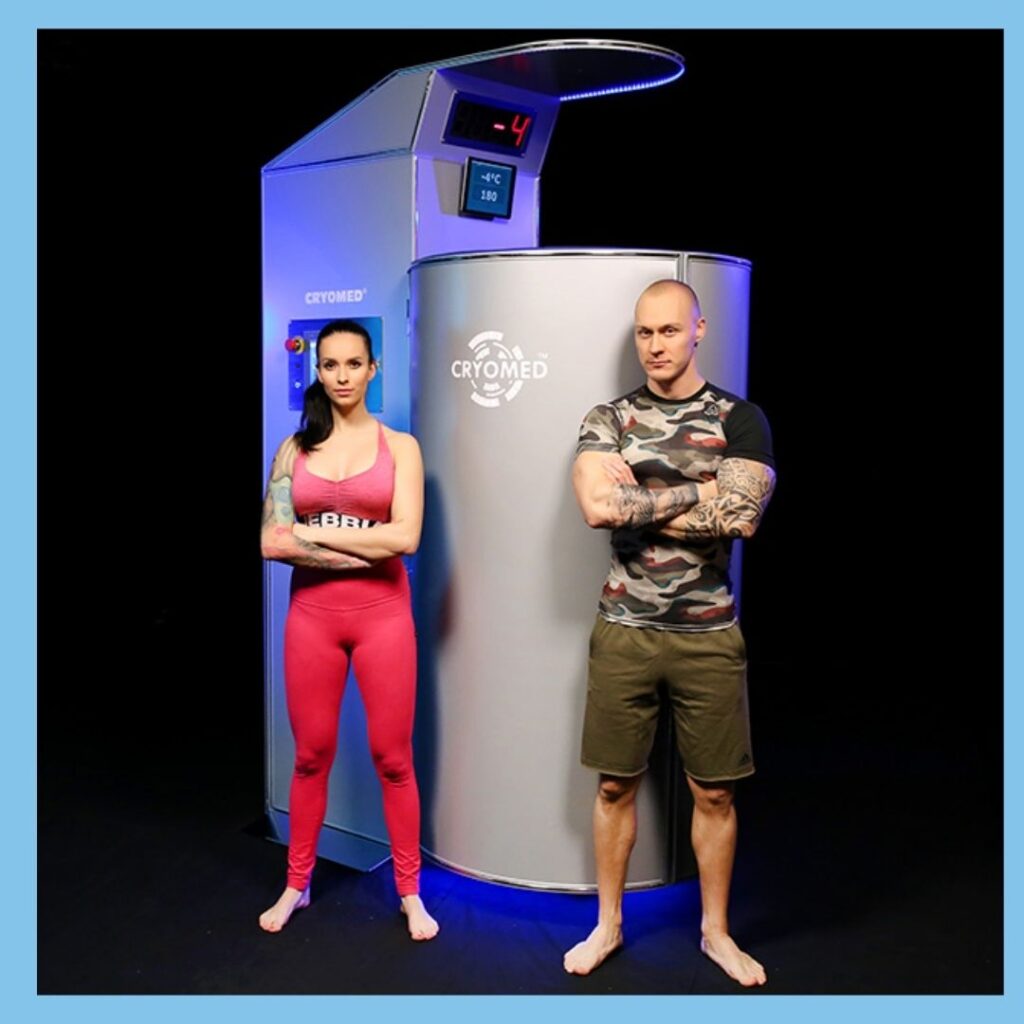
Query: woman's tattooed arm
{"points": [[276, 539]]}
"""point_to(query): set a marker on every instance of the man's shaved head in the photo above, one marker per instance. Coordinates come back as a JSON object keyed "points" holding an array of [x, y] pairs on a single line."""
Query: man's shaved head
{"points": [[667, 328], [668, 287]]}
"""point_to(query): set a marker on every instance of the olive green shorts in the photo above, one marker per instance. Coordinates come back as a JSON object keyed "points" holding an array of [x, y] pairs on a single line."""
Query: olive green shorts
{"points": [[705, 678]]}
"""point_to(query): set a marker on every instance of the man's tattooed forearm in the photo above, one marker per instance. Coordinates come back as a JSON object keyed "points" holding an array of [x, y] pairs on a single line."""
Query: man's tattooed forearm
{"points": [[634, 504], [639, 506], [743, 496]]}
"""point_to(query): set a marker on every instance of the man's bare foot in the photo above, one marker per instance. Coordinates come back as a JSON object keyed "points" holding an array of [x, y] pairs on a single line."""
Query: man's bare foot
{"points": [[274, 919], [589, 954], [738, 965], [421, 925]]}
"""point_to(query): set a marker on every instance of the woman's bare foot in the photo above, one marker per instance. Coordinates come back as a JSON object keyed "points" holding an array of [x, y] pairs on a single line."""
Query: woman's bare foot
{"points": [[421, 925], [738, 965], [589, 954], [274, 919]]}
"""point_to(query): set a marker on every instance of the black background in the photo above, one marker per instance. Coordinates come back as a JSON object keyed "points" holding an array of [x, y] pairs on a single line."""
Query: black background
{"points": [[860, 171]]}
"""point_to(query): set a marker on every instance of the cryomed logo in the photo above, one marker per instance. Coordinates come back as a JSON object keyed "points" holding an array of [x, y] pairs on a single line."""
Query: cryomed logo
{"points": [[497, 371], [335, 296]]}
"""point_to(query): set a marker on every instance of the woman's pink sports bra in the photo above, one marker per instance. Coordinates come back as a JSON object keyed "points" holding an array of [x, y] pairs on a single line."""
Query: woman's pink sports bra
{"points": [[359, 501]]}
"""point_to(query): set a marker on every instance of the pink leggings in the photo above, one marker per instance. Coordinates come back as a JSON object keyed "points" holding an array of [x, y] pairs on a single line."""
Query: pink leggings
{"points": [[382, 644]]}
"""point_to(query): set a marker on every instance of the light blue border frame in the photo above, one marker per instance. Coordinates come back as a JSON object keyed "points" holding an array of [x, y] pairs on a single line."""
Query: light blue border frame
{"points": [[18, 25]]}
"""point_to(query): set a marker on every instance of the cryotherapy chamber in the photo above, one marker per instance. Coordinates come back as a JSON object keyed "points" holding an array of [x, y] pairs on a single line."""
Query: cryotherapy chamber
{"points": [[415, 210], [512, 350]]}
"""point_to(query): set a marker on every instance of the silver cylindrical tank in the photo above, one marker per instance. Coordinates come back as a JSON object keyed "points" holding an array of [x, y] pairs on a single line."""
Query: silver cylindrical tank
{"points": [[509, 352]]}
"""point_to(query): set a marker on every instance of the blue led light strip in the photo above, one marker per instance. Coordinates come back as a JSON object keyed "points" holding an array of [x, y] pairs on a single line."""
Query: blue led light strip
{"points": [[621, 88]]}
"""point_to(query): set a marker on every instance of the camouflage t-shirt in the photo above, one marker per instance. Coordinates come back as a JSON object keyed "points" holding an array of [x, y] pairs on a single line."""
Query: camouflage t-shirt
{"points": [[657, 581]]}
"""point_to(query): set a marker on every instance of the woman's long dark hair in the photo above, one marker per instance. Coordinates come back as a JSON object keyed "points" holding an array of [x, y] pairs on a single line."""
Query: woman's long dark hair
{"points": [[317, 421]]}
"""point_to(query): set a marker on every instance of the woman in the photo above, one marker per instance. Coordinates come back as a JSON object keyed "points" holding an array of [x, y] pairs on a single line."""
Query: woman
{"points": [[344, 501]]}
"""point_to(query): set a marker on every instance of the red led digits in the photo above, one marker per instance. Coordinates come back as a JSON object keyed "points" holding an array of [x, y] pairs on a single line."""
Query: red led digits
{"points": [[520, 124], [498, 127]]}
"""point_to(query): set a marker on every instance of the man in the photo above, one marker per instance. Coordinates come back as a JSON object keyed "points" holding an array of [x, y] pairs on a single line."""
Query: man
{"points": [[676, 469]]}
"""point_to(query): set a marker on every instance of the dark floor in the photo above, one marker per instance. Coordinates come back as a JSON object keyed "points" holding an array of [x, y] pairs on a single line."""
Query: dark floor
{"points": [[859, 881]]}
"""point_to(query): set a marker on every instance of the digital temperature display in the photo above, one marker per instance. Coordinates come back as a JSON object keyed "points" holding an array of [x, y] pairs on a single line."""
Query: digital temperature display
{"points": [[484, 125], [487, 189]]}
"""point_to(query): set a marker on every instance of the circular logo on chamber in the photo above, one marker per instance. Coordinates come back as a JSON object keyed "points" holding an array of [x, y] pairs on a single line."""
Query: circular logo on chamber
{"points": [[497, 371]]}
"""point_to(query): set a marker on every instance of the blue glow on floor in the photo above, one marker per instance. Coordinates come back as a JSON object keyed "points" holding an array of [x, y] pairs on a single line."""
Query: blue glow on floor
{"points": [[645, 908]]}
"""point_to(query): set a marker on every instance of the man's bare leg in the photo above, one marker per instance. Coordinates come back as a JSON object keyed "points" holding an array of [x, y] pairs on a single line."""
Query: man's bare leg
{"points": [[614, 836], [714, 842]]}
